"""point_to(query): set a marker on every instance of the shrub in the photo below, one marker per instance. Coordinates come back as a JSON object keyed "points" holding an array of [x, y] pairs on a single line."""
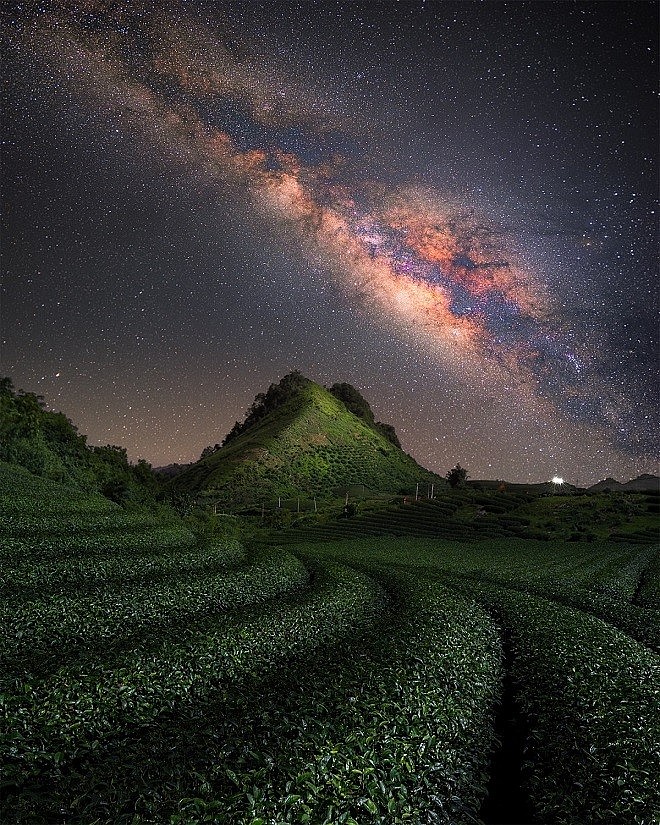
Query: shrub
{"points": [[589, 696]]}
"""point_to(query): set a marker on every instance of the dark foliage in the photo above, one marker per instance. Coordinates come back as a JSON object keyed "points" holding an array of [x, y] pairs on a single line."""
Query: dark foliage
{"points": [[457, 476], [266, 403], [208, 451], [388, 432], [47, 444], [354, 402]]}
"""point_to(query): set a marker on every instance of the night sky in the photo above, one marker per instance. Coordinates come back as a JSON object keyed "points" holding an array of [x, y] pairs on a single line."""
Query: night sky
{"points": [[451, 206]]}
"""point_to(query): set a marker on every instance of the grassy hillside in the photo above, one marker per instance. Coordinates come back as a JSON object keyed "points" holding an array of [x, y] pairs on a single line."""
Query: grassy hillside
{"points": [[309, 444]]}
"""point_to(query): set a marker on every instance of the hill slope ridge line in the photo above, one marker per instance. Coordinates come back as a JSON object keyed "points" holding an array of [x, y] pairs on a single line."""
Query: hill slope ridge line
{"points": [[307, 443]]}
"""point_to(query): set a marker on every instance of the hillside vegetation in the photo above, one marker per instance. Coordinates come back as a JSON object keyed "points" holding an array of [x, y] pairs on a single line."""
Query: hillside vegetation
{"points": [[152, 674], [301, 439], [532, 511], [148, 678], [47, 444]]}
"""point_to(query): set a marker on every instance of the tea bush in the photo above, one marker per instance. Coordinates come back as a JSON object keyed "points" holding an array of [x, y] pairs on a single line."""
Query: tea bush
{"points": [[40, 634], [29, 577], [402, 732], [648, 594], [590, 697], [69, 715]]}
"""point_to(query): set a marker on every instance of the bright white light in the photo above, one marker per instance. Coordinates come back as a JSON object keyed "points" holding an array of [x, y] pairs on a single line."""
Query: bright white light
{"points": [[557, 480]]}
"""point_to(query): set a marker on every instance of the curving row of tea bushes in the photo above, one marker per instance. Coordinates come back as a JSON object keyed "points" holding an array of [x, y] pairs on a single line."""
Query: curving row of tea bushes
{"points": [[582, 576], [590, 697], [638, 622], [521, 560], [593, 578], [399, 731], [641, 623], [613, 569], [21, 492], [38, 635], [27, 577], [23, 523], [74, 713], [394, 725], [648, 593], [623, 577], [141, 539]]}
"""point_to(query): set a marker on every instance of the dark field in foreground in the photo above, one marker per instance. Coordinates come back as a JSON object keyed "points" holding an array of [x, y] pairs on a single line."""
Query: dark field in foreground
{"points": [[151, 678]]}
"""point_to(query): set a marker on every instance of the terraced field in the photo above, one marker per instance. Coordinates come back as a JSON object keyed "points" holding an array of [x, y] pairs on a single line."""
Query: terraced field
{"points": [[470, 515], [149, 679]]}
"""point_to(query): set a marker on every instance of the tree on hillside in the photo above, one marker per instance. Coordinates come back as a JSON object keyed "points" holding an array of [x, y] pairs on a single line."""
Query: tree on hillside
{"points": [[457, 476], [354, 402], [265, 403], [388, 431], [207, 451], [235, 431]]}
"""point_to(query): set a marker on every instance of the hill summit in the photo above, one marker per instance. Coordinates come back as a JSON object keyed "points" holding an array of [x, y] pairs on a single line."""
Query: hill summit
{"points": [[300, 438]]}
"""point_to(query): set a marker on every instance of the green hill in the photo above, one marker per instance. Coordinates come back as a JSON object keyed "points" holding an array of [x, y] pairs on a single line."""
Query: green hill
{"points": [[301, 439]]}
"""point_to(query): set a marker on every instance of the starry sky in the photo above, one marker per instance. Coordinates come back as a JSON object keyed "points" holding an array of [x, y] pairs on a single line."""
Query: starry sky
{"points": [[452, 206]]}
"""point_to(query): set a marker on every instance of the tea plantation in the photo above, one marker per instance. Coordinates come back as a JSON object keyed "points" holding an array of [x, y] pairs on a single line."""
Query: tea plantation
{"points": [[150, 677]]}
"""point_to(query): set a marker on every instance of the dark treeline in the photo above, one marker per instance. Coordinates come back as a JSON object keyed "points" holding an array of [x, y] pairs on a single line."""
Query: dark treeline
{"points": [[48, 444]]}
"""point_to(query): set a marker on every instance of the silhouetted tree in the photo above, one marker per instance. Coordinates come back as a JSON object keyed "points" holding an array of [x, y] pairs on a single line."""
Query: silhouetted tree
{"points": [[389, 432], [117, 490], [354, 402], [457, 476], [235, 431], [207, 451]]}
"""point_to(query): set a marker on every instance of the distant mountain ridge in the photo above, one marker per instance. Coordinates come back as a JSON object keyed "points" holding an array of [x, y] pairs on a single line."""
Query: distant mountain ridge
{"points": [[171, 470], [300, 438], [643, 483]]}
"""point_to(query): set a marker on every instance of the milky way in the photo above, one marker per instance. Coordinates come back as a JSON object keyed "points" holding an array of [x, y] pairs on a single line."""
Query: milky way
{"points": [[444, 273]]}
